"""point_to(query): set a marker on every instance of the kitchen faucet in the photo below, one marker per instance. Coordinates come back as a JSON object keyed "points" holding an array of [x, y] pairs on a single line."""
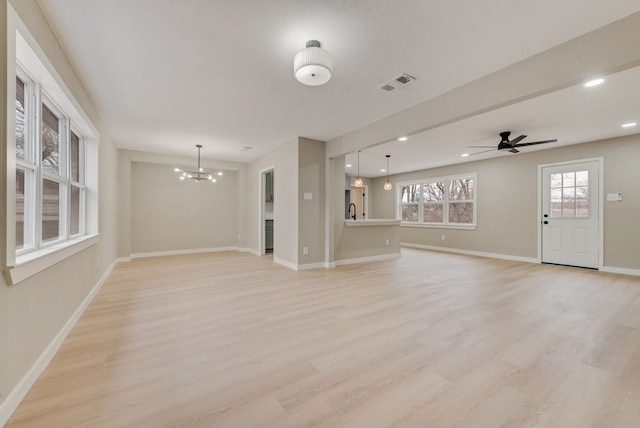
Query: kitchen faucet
{"points": [[354, 210]]}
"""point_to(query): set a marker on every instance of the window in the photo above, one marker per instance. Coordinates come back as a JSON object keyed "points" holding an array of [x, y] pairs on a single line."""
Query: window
{"points": [[570, 194], [50, 165], [448, 201]]}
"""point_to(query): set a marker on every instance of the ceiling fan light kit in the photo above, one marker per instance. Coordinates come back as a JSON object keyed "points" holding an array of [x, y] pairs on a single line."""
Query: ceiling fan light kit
{"points": [[313, 65]]}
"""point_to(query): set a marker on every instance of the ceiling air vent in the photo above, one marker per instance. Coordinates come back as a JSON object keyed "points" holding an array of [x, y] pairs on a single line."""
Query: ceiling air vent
{"points": [[397, 82]]}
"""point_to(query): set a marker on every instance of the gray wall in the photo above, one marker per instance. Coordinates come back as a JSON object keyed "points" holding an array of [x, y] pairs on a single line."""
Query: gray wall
{"points": [[34, 311], [190, 215], [508, 196], [146, 186], [311, 212]]}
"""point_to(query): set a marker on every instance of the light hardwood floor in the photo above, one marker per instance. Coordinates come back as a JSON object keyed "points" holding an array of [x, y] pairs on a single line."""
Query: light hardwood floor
{"points": [[428, 340]]}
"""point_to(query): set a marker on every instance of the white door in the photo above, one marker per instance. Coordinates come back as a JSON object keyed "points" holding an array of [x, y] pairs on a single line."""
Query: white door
{"points": [[570, 208]]}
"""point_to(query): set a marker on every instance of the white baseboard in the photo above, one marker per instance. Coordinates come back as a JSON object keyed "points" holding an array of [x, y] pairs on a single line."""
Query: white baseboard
{"points": [[285, 263], [379, 258], [249, 250], [471, 253], [123, 259], [624, 271], [309, 266], [18, 393], [179, 252]]}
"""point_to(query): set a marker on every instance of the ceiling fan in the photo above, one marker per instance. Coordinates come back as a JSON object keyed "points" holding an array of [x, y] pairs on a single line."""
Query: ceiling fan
{"points": [[510, 146]]}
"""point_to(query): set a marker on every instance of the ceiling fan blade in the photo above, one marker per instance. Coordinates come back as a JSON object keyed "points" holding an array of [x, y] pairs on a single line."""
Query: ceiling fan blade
{"points": [[535, 142], [517, 140], [514, 150], [481, 147], [484, 151]]}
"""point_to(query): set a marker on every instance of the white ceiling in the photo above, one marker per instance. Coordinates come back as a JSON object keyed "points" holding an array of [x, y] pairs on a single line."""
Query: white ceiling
{"points": [[572, 116], [168, 74]]}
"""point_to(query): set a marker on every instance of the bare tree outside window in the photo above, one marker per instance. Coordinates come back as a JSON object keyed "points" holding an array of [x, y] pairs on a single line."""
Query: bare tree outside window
{"points": [[461, 190], [50, 140], [441, 201], [20, 118]]}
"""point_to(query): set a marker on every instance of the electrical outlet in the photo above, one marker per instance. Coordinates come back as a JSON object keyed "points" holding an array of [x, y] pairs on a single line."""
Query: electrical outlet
{"points": [[386, 242], [443, 237], [305, 250], [97, 264]]}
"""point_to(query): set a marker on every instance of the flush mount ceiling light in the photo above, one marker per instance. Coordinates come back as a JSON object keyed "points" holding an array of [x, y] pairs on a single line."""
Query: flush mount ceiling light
{"points": [[387, 184], [313, 65], [629, 125], [199, 174], [594, 82], [402, 139], [358, 180]]}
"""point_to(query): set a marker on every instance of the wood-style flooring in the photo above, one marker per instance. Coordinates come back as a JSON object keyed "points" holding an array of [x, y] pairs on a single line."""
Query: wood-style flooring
{"points": [[428, 340]]}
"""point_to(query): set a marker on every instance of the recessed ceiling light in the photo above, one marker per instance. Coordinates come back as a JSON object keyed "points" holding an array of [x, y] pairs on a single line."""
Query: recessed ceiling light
{"points": [[402, 139], [594, 82], [464, 155], [629, 125], [383, 170], [348, 165]]}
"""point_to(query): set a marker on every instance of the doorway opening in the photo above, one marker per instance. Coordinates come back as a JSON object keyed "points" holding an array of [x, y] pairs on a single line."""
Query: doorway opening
{"points": [[267, 219]]}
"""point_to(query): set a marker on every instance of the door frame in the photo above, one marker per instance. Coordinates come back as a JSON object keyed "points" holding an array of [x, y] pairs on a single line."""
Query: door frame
{"points": [[601, 195], [261, 204]]}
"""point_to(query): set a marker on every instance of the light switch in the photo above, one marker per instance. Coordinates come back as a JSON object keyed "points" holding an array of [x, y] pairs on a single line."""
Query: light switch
{"points": [[308, 196]]}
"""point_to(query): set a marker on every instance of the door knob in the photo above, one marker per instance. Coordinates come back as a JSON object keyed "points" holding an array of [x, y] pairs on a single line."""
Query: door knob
{"points": [[546, 215], [545, 222]]}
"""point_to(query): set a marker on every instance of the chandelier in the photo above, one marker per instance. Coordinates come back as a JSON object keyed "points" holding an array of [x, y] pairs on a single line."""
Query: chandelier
{"points": [[199, 174]]}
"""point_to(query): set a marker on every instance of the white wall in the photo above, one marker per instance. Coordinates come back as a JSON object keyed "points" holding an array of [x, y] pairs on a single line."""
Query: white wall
{"points": [[35, 310]]}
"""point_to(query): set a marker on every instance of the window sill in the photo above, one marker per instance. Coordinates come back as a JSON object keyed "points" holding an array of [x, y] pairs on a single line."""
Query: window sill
{"points": [[30, 264], [440, 226]]}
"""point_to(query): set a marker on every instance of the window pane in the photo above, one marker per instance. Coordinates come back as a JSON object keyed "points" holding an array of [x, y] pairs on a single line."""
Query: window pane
{"points": [[461, 212], [556, 209], [75, 210], [20, 118], [582, 178], [461, 189], [410, 193], [50, 140], [20, 183], [433, 213], [410, 213], [582, 208], [75, 157], [568, 179], [556, 181], [50, 210], [434, 192]]}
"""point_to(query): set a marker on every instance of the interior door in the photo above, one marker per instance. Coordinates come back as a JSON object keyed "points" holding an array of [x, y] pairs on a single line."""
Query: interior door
{"points": [[570, 209]]}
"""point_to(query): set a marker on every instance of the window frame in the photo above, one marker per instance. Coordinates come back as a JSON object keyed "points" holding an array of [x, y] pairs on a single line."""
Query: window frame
{"points": [[35, 173], [446, 202]]}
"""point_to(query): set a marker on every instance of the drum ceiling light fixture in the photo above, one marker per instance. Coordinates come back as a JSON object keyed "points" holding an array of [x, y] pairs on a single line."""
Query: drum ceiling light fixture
{"points": [[313, 65]]}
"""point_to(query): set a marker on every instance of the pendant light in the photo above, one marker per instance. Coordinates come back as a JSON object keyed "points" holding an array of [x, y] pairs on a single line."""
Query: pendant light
{"points": [[387, 184], [358, 181]]}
